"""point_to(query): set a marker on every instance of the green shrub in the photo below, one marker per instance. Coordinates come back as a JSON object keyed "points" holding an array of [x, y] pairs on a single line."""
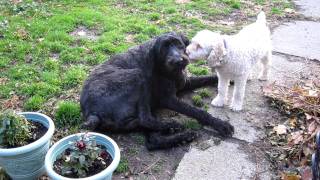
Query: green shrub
{"points": [[15, 129], [68, 114], [34, 103]]}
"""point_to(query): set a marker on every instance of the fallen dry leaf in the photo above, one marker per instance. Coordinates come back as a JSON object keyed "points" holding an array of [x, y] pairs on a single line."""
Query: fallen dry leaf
{"points": [[297, 137], [290, 177], [280, 129]]}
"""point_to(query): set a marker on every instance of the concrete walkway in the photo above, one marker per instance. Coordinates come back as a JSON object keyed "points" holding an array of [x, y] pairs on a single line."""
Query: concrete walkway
{"points": [[241, 157]]}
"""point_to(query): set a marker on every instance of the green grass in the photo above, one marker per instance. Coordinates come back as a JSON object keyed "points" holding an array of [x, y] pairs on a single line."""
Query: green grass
{"points": [[198, 70], [197, 100], [204, 93], [68, 114], [123, 165], [192, 124], [34, 103]]}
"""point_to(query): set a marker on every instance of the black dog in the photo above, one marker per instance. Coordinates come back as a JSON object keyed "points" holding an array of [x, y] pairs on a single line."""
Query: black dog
{"points": [[122, 93]]}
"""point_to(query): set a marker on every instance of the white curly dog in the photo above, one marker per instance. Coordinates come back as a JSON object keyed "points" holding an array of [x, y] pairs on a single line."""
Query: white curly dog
{"points": [[233, 57]]}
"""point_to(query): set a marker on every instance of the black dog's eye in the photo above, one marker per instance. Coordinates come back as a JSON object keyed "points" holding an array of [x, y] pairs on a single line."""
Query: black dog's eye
{"points": [[179, 45]]}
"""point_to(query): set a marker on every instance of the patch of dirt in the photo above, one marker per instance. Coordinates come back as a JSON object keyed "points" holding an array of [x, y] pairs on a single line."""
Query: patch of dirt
{"points": [[84, 32]]}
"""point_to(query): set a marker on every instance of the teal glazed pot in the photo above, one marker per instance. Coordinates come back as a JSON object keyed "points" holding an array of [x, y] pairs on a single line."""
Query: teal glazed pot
{"points": [[59, 147], [27, 162]]}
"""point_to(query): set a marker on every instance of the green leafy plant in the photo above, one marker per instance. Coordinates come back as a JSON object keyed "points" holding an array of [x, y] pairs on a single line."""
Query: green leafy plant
{"points": [[15, 129], [82, 157]]}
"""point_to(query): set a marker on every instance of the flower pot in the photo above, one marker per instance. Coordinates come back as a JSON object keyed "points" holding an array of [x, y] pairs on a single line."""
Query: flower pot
{"points": [[27, 162], [59, 147]]}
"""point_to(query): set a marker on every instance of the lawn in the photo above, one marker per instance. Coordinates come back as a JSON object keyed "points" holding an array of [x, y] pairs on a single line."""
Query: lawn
{"points": [[47, 48]]}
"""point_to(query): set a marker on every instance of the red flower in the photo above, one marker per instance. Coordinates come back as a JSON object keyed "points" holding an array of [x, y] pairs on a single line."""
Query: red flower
{"points": [[81, 145], [103, 154]]}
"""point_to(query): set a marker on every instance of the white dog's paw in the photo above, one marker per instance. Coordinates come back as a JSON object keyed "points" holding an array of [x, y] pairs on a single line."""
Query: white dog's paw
{"points": [[217, 102], [236, 106]]}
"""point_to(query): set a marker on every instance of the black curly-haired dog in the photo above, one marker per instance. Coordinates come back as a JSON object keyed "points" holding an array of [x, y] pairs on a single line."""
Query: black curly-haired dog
{"points": [[122, 93]]}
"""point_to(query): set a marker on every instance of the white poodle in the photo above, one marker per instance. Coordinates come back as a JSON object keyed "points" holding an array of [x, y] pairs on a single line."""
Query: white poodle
{"points": [[233, 57]]}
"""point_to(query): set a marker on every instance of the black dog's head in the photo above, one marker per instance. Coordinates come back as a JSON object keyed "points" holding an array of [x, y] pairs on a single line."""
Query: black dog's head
{"points": [[170, 50]]}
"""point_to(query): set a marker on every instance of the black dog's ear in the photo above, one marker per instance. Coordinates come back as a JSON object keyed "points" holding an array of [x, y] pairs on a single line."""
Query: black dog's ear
{"points": [[184, 39]]}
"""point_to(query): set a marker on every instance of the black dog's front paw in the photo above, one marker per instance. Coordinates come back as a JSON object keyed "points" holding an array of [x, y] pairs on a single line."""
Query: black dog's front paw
{"points": [[225, 129], [173, 127]]}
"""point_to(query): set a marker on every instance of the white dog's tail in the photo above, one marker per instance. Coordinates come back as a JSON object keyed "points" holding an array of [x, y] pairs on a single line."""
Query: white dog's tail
{"points": [[261, 18]]}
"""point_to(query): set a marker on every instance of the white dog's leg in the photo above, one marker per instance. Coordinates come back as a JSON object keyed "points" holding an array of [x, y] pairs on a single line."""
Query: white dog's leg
{"points": [[265, 67], [238, 93], [223, 85]]}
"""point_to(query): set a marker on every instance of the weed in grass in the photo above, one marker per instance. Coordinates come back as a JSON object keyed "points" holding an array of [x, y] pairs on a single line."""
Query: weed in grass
{"points": [[204, 93], [154, 16], [139, 138], [206, 107], [275, 10], [123, 165], [133, 151], [74, 76], [34, 103], [197, 70], [232, 3], [51, 65], [170, 10], [192, 124], [197, 100], [68, 114]]}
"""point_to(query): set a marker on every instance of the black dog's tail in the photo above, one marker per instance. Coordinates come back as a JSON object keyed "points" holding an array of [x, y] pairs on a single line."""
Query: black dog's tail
{"points": [[91, 123]]}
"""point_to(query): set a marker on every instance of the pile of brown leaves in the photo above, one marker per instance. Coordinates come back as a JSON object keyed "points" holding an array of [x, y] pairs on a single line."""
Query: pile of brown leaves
{"points": [[293, 140]]}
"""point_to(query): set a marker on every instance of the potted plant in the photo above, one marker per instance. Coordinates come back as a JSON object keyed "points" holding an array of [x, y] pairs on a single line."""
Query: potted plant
{"points": [[24, 142], [89, 155]]}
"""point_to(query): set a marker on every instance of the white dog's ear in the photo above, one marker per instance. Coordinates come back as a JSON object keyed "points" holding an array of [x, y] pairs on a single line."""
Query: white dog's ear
{"points": [[217, 55]]}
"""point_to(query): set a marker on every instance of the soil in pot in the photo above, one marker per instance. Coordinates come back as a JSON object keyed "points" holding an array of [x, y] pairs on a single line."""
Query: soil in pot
{"points": [[99, 164], [37, 131]]}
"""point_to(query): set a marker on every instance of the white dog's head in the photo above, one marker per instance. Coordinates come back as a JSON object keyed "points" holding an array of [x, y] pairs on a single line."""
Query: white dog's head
{"points": [[208, 45]]}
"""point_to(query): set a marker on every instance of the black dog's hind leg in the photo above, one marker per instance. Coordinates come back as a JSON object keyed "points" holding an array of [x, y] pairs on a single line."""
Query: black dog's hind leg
{"points": [[156, 140], [91, 123], [173, 103], [197, 82]]}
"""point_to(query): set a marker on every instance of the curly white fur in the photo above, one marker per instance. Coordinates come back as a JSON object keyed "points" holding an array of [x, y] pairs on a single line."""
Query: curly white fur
{"points": [[233, 57]]}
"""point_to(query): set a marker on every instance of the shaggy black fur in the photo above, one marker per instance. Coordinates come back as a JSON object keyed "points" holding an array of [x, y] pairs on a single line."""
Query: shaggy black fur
{"points": [[122, 93]]}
